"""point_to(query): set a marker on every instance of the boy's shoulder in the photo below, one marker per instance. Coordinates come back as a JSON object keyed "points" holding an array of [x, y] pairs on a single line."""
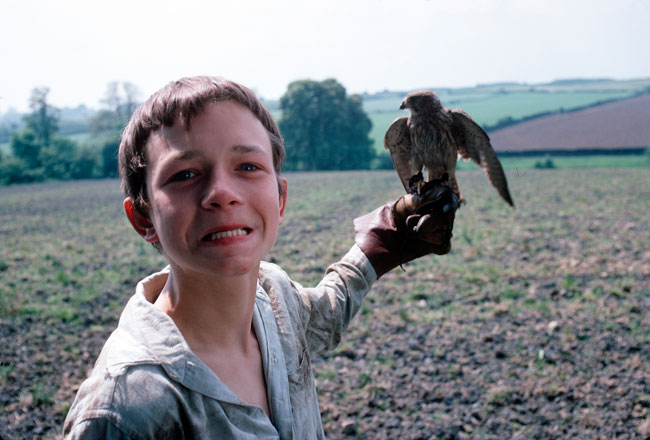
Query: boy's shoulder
{"points": [[271, 273], [123, 401], [144, 336], [284, 294], [130, 374], [277, 284]]}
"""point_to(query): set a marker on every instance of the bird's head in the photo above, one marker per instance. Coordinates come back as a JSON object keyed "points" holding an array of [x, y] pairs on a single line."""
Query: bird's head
{"points": [[421, 100]]}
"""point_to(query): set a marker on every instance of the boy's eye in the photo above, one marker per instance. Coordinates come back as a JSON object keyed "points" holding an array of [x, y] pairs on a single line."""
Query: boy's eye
{"points": [[248, 167], [182, 176]]}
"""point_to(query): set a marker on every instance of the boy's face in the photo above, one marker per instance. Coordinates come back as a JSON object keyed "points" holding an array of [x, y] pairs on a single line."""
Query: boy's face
{"points": [[213, 192]]}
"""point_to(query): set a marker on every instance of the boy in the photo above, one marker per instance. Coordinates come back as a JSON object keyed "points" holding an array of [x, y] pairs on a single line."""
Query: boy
{"points": [[219, 344]]}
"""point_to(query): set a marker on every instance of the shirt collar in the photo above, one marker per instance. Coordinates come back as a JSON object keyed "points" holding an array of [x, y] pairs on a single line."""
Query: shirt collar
{"points": [[153, 338]]}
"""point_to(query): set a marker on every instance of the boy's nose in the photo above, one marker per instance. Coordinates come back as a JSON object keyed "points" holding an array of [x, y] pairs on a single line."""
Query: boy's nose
{"points": [[220, 192]]}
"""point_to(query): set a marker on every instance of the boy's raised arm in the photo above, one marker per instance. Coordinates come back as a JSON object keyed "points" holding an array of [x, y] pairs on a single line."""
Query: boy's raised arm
{"points": [[393, 234]]}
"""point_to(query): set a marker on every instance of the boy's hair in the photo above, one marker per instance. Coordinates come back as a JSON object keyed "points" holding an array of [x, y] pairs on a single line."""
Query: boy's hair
{"points": [[179, 101]]}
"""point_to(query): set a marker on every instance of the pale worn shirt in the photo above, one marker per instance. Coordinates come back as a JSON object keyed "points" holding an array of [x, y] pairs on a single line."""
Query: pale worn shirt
{"points": [[147, 383]]}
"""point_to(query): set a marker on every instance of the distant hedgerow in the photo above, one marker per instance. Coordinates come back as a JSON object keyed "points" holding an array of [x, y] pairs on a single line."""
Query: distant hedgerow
{"points": [[546, 163]]}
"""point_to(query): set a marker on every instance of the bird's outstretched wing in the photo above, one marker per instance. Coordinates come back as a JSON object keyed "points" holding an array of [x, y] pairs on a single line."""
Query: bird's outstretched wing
{"points": [[397, 140], [474, 143]]}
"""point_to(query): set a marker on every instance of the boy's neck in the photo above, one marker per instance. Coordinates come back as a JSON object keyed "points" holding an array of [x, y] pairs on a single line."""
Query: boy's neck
{"points": [[215, 316], [210, 312]]}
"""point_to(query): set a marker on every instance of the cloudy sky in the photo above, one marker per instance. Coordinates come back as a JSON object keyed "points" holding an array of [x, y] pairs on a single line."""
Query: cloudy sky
{"points": [[76, 47]]}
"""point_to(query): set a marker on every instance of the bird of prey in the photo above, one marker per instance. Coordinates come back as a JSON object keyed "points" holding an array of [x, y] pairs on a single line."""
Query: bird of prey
{"points": [[435, 137]]}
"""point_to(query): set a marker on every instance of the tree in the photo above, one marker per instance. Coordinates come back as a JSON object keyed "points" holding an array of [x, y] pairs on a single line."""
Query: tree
{"points": [[43, 120], [323, 128], [27, 148], [120, 101], [119, 104], [39, 154], [13, 170], [85, 163], [40, 127], [109, 163], [58, 158]]}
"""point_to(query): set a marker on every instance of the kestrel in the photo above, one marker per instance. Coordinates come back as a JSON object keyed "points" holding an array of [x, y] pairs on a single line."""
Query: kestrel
{"points": [[435, 137]]}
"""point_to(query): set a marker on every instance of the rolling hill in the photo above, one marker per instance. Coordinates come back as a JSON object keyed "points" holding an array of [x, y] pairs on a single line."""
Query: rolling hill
{"points": [[618, 126], [495, 106]]}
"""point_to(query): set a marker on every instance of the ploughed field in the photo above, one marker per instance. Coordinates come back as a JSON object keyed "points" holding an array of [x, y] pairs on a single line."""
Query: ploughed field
{"points": [[536, 325], [615, 125]]}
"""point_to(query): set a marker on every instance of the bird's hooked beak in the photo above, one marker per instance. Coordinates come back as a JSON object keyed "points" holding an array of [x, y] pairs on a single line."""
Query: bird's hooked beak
{"points": [[403, 106]]}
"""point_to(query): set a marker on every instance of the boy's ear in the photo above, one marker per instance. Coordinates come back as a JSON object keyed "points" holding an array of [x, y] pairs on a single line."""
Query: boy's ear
{"points": [[283, 197], [140, 223]]}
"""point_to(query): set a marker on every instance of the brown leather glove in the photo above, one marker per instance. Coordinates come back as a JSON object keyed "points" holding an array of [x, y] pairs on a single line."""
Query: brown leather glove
{"points": [[413, 226]]}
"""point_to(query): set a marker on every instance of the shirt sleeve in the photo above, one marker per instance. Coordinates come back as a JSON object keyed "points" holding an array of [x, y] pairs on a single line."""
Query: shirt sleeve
{"points": [[136, 402], [336, 299], [95, 428]]}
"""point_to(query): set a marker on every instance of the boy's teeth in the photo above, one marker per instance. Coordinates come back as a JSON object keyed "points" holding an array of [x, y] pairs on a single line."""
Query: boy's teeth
{"points": [[227, 234]]}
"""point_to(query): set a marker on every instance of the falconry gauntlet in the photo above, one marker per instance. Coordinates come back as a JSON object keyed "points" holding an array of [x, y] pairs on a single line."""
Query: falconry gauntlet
{"points": [[413, 226]]}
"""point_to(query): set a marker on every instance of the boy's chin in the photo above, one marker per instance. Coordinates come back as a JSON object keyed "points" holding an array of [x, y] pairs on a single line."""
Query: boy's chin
{"points": [[236, 266]]}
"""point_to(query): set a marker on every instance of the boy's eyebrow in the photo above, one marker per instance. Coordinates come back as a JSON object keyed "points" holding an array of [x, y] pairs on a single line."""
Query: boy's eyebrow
{"points": [[247, 149], [239, 148], [186, 155]]}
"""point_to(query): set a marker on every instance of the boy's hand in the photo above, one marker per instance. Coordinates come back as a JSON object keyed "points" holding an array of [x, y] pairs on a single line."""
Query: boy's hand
{"points": [[413, 226], [429, 216]]}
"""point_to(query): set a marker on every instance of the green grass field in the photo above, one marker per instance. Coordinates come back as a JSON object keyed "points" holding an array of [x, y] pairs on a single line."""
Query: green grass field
{"points": [[536, 325]]}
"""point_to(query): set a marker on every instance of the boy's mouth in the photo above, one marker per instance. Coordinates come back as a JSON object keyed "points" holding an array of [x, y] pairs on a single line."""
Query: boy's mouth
{"points": [[238, 232]]}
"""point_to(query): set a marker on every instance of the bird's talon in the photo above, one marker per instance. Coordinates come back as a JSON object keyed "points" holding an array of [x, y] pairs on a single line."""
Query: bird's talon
{"points": [[416, 182]]}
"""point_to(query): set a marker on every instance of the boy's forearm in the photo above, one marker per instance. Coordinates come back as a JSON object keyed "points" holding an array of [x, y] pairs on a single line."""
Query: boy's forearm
{"points": [[337, 298]]}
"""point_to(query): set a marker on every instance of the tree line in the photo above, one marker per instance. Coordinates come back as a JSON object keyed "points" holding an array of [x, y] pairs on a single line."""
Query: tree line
{"points": [[324, 128], [39, 153]]}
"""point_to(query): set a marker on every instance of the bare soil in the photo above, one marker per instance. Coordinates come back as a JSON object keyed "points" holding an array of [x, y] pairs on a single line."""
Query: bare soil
{"points": [[536, 325], [615, 125]]}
